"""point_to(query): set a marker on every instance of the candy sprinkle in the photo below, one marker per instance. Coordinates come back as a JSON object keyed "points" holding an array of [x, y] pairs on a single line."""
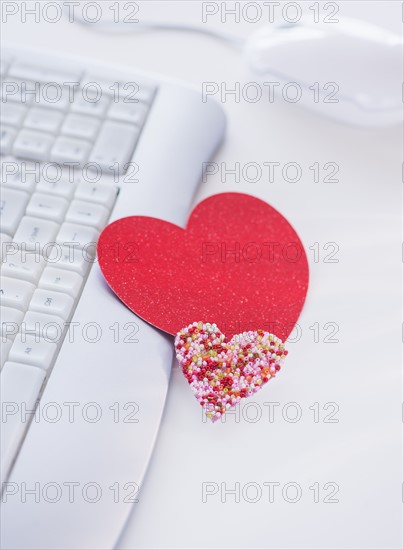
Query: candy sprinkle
{"points": [[223, 373]]}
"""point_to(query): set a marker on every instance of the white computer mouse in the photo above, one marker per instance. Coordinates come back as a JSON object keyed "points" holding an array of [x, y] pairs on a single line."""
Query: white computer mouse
{"points": [[350, 70]]}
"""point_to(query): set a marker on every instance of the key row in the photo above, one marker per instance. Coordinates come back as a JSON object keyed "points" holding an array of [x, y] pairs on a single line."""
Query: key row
{"points": [[36, 220], [83, 119], [31, 178], [29, 266], [111, 153], [49, 327], [33, 338], [128, 87], [17, 293]]}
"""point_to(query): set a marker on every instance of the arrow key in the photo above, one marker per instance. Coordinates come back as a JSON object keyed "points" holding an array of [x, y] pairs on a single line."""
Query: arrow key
{"points": [[15, 293], [87, 213], [49, 207]]}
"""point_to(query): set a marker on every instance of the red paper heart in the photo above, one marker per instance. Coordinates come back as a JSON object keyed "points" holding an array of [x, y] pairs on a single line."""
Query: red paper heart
{"points": [[220, 372], [239, 263]]}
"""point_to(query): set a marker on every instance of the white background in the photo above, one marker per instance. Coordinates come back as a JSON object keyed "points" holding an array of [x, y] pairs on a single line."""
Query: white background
{"points": [[361, 373]]}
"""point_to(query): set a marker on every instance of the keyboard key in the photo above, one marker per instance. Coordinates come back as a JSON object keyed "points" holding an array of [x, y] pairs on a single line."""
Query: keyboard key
{"points": [[12, 209], [33, 145], [20, 389], [90, 104], [15, 293], [43, 74], [98, 192], [70, 150], [5, 346], [4, 239], [7, 136], [54, 303], [47, 206], [10, 321], [114, 146], [23, 265], [85, 213], [54, 97], [78, 235], [71, 258], [12, 114], [72, 174], [48, 327], [20, 92], [32, 350], [134, 113], [61, 188], [35, 232], [61, 280], [43, 120], [81, 126], [19, 175]]}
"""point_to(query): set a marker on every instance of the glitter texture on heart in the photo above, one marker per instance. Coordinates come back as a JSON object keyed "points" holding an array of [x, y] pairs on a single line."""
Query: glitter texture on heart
{"points": [[238, 263]]}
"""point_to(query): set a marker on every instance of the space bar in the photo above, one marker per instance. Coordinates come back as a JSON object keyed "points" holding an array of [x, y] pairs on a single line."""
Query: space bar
{"points": [[20, 388]]}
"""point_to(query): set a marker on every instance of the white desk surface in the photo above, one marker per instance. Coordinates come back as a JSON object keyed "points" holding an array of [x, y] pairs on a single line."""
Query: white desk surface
{"points": [[361, 373]]}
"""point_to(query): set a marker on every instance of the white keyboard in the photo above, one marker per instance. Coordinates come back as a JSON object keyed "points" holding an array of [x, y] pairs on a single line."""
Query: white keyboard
{"points": [[66, 139], [149, 156]]}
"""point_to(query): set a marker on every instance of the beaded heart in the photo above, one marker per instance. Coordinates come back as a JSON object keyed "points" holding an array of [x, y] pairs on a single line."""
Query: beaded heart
{"points": [[221, 373]]}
